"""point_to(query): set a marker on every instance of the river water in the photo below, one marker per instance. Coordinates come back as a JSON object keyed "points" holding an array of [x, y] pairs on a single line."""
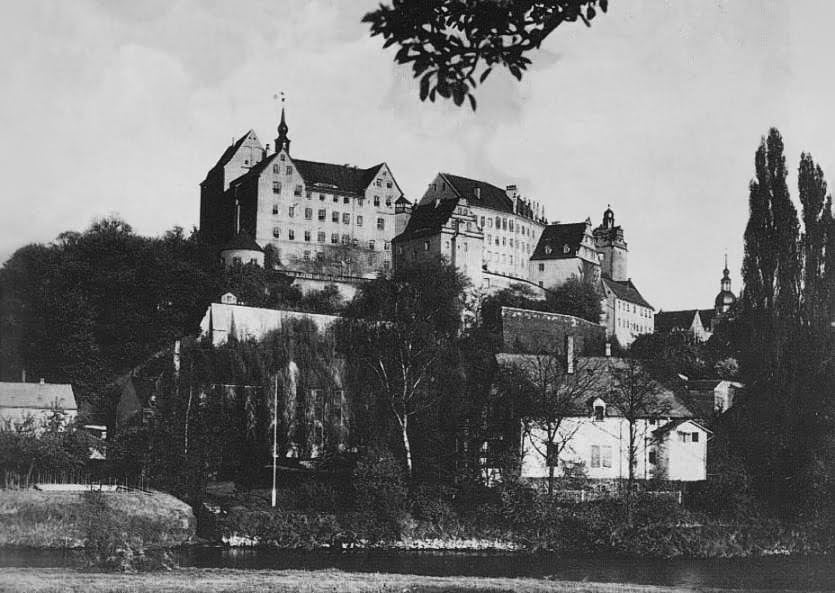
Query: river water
{"points": [[797, 573]]}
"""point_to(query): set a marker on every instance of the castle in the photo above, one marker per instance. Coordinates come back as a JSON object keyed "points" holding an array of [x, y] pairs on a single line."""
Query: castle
{"points": [[327, 223]]}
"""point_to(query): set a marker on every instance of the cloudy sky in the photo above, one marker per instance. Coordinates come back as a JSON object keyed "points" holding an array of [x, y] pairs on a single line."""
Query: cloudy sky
{"points": [[120, 107]]}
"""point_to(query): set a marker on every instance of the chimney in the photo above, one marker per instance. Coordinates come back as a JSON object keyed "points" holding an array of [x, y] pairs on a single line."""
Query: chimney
{"points": [[267, 149], [569, 355], [511, 192], [23, 375], [608, 349]]}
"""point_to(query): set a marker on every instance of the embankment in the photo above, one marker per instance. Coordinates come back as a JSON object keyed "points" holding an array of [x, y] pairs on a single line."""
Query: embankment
{"points": [[35, 519]]}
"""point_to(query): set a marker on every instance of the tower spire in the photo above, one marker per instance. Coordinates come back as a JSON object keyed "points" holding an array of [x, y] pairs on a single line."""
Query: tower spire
{"points": [[282, 141]]}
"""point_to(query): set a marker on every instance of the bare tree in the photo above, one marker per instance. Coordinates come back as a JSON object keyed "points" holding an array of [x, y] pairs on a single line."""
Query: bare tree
{"points": [[553, 389], [635, 394]]}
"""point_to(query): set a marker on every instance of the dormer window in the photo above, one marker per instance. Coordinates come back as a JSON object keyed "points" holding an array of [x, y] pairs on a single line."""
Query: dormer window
{"points": [[566, 248], [599, 410], [548, 250]]}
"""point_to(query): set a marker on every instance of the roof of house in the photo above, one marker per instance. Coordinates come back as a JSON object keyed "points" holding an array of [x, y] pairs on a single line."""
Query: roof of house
{"points": [[555, 237], [42, 396], [706, 317], [242, 241], [489, 196], [229, 153], [672, 320], [342, 178], [676, 423], [627, 291], [427, 220], [669, 403]]}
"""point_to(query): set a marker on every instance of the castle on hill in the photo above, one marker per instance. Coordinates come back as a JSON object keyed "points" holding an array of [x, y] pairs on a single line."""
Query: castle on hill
{"points": [[326, 223]]}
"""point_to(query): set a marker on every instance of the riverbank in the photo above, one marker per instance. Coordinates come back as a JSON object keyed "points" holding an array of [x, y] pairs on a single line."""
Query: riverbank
{"points": [[34, 519], [287, 581]]}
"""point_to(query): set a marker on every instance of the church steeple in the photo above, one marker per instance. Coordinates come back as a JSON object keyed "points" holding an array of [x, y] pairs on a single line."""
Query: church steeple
{"points": [[282, 141], [725, 299], [726, 276]]}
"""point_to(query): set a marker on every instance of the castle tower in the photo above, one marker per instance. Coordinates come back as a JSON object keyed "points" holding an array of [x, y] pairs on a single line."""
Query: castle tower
{"points": [[609, 241], [725, 299]]}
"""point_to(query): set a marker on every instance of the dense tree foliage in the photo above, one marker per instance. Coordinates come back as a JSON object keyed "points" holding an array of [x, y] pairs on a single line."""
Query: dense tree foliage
{"points": [[401, 332], [785, 426], [575, 297], [92, 305], [453, 45]]}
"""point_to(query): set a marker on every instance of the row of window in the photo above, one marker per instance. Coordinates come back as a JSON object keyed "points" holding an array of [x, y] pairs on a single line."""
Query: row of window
{"points": [[372, 259], [335, 238], [624, 306], [297, 191], [524, 246], [505, 224], [322, 215], [634, 326]]}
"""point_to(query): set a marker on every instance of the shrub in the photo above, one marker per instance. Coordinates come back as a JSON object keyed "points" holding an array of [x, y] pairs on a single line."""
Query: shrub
{"points": [[380, 496]]}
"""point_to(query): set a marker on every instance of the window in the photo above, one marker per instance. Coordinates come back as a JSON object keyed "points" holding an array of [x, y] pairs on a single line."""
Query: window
{"points": [[388, 201], [276, 187], [298, 191], [308, 213], [334, 237], [566, 248], [379, 183], [322, 214], [276, 232], [359, 220], [376, 200], [489, 222], [372, 259], [276, 170], [653, 458], [289, 170], [599, 413], [346, 239], [386, 246], [504, 224], [346, 218], [237, 261], [381, 224], [360, 202], [694, 437], [291, 211], [388, 184], [320, 236], [334, 216], [291, 234], [275, 208], [426, 245], [601, 456], [307, 238], [321, 197], [335, 198], [498, 222], [308, 194], [371, 244], [510, 226], [306, 256], [346, 200], [281, 158]]}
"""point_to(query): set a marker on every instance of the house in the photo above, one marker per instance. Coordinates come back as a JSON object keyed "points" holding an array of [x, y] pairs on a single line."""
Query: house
{"points": [[37, 403], [565, 251], [627, 312], [594, 439]]}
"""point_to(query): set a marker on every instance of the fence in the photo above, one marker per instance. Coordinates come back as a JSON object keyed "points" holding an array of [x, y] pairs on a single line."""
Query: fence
{"points": [[71, 480], [578, 496]]}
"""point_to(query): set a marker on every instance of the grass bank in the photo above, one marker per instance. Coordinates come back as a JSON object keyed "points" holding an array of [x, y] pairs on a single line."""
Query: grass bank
{"points": [[286, 581], [31, 518]]}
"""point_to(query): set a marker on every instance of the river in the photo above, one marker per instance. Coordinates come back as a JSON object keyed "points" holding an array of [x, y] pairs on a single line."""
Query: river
{"points": [[798, 573]]}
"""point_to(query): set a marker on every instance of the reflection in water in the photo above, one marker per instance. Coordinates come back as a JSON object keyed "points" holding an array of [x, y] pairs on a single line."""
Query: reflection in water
{"points": [[798, 573]]}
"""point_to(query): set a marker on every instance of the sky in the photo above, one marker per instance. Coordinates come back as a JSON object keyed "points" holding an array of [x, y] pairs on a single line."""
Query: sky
{"points": [[120, 108]]}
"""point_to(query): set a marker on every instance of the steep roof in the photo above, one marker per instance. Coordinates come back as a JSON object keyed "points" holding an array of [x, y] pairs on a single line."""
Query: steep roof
{"points": [[706, 316], [229, 153], [556, 236], [427, 220], [626, 291], [669, 403], [242, 241], [672, 320], [343, 178], [490, 196], [42, 396], [675, 424]]}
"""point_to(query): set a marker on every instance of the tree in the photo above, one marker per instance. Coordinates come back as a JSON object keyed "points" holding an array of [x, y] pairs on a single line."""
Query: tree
{"points": [[635, 394], [553, 390], [671, 353], [453, 45], [400, 331], [575, 297]]}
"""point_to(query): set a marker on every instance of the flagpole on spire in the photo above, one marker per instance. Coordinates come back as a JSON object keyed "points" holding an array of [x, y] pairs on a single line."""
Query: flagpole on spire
{"points": [[282, 141]]}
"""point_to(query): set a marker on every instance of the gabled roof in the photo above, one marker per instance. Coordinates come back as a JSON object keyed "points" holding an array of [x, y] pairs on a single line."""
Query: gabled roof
{"points": [[672, 320], [557, 236], [626, 291], [670, 404], [229, 152], [706, 317], [41, 396], [342, 178], [242, 241], [490, 196], [427, 220], [676, 423]]}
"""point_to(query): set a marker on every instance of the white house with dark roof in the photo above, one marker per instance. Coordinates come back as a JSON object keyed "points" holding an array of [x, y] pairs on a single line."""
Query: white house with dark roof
{"points": [[38, 401], [627, 313], [562, 252], [320, 218], [671, 444]]}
